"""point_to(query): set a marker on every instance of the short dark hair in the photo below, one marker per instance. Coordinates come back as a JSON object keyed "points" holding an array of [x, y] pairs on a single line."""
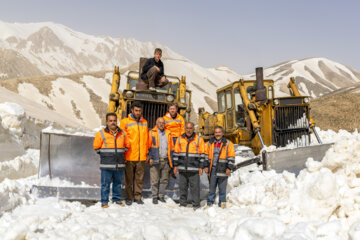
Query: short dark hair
{"points": [[219, 127], [158, 50], [136, 104], [110, 114], [173, 104]]}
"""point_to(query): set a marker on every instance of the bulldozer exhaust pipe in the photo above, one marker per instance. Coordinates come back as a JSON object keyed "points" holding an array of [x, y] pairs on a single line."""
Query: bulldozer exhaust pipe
{"points": [[260, 93]]}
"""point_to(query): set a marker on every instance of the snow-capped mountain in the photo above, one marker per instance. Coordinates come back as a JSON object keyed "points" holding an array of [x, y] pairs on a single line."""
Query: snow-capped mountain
{"points": [[32, 49], [314, 76], [83, 98]]}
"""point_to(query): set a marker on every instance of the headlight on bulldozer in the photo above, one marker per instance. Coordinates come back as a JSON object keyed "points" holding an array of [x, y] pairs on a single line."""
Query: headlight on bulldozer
{"points": [[129, 94], [276, 101], [306, 100], [169, 98]]}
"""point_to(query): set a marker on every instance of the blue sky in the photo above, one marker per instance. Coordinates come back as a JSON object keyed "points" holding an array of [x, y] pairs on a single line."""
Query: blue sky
{"points": [[240, 34]]}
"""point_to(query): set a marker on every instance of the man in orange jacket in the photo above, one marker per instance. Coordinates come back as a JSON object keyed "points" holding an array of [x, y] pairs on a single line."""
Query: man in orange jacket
{"points": [[110, 144], [220, 159], [137, 134], [189, 161], [174, 122], [161, 146]]}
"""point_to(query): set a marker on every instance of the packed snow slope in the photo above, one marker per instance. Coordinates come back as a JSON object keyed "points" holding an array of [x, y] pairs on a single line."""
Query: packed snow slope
{"points": [[322, 202], [314, 76]]}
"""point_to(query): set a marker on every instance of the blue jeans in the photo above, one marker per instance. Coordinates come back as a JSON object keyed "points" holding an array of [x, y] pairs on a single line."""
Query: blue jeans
{"points": [[214, 182], [108, 176]]}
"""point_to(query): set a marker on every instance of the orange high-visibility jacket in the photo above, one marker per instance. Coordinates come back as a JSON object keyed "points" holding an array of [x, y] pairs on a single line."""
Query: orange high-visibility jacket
{"points": [[111, 148], [154, 145], [226, 157], [175, 125], [137, 137], [189, 153]]}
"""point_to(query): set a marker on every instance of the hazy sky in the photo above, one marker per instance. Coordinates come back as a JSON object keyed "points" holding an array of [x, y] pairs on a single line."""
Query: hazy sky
{"points": [[240, 34]]}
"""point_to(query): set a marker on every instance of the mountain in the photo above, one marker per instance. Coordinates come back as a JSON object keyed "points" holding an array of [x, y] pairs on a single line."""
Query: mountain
{"points": [[33, 49], [314, 76], [83, 97]]}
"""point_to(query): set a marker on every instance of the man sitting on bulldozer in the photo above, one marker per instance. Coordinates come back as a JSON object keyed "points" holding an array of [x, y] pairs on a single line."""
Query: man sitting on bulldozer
{"points": [[153, 72]]}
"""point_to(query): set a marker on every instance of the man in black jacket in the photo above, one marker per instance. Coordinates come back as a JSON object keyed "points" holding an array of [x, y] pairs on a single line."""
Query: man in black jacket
{"points": [[153, 71]]}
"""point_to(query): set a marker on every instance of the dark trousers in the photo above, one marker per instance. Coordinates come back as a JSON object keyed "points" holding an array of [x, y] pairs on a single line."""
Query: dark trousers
{"points": [[134, 179], [221, 182], [191, 179], [108, 176], [159, 174], [154, 79]]}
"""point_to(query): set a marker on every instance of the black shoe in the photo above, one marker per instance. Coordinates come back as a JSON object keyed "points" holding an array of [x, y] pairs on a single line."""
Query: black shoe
{"points": [[155, 201], [139, 201], [128, 202], [162, 199], [196, 207]]}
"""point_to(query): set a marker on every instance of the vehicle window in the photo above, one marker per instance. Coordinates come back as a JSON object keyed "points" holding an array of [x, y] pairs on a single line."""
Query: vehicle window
{"points": [[239, 108], [228, 99], [221, 102]]}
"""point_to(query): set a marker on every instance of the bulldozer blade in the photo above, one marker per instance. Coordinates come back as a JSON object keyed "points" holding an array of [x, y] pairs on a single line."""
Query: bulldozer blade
{"points": [[293, 160], [68, 193]]}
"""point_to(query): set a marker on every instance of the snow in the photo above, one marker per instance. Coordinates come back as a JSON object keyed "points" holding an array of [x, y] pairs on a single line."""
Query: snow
{"points": [[322, 202], [12, 116]]}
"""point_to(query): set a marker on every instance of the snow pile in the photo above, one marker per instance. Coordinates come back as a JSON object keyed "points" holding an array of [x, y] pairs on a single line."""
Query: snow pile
{"points": [[12, 117], [20, 167], [14, 193], [324, 191]]}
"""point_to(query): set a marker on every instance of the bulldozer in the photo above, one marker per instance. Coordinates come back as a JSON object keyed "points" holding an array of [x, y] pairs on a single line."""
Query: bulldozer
{"points": [[254, 119], [72, 158]]}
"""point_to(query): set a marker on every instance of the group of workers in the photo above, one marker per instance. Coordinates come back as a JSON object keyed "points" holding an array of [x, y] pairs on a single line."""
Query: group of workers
{"points": [[170, 148]]}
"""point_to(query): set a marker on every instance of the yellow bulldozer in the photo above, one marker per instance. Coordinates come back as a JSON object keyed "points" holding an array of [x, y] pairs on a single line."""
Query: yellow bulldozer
{"points": [[251, 115], [72, 158]]}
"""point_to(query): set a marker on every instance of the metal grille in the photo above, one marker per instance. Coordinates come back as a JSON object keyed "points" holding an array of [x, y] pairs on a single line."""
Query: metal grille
{"points": [[150, 96], [291, 126], [151, 111]]}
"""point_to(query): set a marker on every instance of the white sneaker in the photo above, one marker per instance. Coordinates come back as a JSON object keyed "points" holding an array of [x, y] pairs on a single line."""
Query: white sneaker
{"points": [[152, 89]]}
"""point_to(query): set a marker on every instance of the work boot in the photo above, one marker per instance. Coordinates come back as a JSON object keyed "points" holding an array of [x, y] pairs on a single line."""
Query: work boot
{"points": [[155, 201], [139, 201], [104, 205], [128, 202], [120, 203], [162, 199], [223, 205], [196, 207], [208, 206]]}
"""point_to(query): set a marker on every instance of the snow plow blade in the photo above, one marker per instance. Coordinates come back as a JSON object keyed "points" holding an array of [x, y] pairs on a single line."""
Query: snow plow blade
{"points": [[293, 160], [73, 159]]}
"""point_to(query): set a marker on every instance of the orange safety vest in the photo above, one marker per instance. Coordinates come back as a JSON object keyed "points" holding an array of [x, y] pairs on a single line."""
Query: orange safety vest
{"points": [[175, 125], [137, 136], [111, 148], [154, 145], [189, 153], [226, 157]]}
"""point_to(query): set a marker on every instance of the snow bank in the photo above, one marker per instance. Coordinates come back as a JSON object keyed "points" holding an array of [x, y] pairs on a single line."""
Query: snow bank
{"points": [[12, 117], [20, 167]]}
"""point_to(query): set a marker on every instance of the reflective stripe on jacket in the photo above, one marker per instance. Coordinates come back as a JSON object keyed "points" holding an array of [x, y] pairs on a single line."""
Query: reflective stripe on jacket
{"points": [[154, 145], [176, 126], [136, 141], [111, 148], [189, 153], [226, 157]]}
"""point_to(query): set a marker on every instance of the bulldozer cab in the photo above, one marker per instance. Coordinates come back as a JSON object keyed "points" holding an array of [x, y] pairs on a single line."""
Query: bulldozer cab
{"points": [[231, 108]]}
